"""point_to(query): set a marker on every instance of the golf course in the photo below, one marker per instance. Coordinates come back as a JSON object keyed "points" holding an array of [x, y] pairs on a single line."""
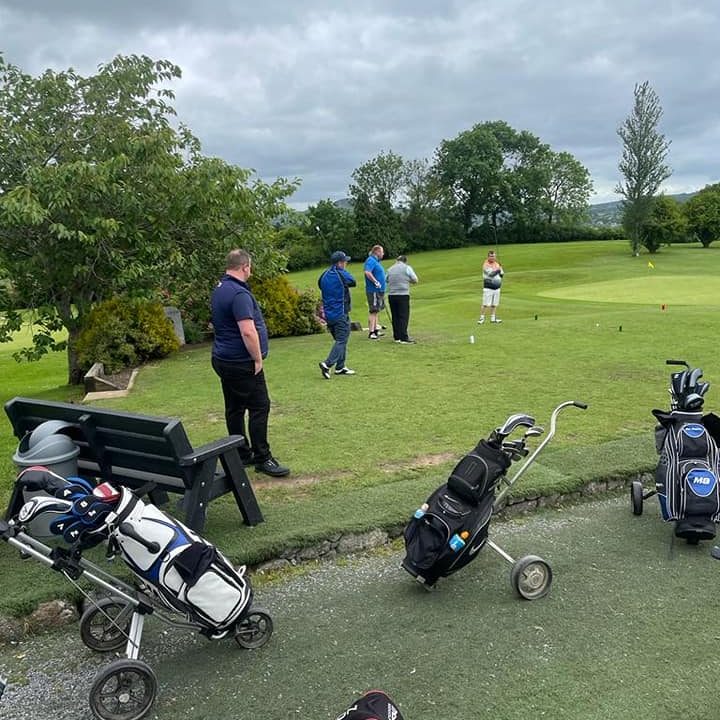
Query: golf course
{"points": [[581, 321]]}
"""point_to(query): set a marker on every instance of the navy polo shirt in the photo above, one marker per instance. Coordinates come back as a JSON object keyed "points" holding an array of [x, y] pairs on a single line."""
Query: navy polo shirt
{"points": [[231, 301]]}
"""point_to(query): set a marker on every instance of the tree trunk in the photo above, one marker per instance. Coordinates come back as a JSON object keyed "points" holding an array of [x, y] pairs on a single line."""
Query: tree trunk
{"points": [[75, 373]]}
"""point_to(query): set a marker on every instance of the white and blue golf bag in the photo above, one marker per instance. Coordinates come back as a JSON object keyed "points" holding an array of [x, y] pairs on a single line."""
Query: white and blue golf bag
{"points": [[173, 564]]}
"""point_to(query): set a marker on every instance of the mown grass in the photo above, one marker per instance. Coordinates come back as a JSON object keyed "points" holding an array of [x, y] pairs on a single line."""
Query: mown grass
{"points": [[365, 450]]}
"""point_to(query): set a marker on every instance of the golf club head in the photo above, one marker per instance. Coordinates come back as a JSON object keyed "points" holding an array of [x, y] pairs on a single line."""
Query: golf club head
{"points": [[534, 431], [693, 378], [715, 552], [678, 383], [513, 422], [692, 402], [702, 388], [37, 515]]}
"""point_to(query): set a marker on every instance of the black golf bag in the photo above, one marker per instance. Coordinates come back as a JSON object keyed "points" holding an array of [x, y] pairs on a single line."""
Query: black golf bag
{"points": [[447, 532], [686, 478], [373, 705], [174, 565]]}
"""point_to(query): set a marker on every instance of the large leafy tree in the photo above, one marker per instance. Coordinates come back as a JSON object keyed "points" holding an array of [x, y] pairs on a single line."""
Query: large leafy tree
{"points": [[377, 190], [100, 195], [566, 190], [666, 224], [643, 163], [703, 214]]}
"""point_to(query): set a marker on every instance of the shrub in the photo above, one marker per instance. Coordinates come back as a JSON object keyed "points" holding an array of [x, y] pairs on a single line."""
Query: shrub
{"points": [[286, 311], [123, 332]]}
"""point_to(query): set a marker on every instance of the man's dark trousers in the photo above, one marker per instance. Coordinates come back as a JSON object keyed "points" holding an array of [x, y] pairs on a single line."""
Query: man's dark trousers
{"points": [[400, 310], [245, 392]]}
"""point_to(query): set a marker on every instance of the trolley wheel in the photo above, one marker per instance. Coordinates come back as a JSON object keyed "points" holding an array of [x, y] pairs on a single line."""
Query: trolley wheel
{"points": [[103, 627], [531, 577], [636, 497], [254, 630], [124, 690]]}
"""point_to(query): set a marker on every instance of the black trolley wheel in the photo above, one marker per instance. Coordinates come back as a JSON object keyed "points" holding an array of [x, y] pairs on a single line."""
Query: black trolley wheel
{"points": [[636, 497], [254, 630], [531, 577], [100, 628], [124, 690]]}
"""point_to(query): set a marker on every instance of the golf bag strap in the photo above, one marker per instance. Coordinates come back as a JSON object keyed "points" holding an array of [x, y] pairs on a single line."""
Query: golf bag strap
{"points": [[125, 512]]}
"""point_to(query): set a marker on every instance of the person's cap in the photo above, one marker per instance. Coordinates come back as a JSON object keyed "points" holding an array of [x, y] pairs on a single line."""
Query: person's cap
{"points": [[402, 258], [339, 256]]}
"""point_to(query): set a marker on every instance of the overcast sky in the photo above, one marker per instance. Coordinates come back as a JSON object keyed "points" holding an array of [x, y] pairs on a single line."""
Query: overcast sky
{"points": [[313, 89]]}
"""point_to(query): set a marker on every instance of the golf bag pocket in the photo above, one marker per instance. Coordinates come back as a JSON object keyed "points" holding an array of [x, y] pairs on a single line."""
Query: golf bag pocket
{"points": [[425, 540], [700, 489], [693, 441], [476, 475], [212, 588]]}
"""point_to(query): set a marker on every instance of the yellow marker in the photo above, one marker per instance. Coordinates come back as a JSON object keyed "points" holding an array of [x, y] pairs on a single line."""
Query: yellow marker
{"points": [[650, 265], [464, 534]]}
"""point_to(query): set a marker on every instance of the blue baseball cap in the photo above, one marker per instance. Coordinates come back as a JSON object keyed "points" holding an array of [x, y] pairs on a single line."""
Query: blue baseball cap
{"points": [[339, 256]]}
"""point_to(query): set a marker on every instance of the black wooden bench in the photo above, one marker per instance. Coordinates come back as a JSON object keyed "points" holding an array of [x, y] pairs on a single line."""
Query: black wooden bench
{"points": [[141, 451]]}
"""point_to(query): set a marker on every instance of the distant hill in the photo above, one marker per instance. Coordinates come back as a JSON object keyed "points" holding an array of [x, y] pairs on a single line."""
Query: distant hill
{"points": [[608, 213], [605, 214]]}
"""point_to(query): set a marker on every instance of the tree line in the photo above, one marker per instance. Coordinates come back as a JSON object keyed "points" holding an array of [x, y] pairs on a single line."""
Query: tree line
{"points": [[103, 194]]}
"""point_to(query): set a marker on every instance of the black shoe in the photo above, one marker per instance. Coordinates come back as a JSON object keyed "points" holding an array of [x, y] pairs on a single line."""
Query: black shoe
{"points": [[273, 468], [373, 336], [325, 370]]}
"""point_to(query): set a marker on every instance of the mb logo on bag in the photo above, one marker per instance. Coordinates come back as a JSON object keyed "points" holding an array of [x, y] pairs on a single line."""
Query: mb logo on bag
{"points": [[702, 482]]}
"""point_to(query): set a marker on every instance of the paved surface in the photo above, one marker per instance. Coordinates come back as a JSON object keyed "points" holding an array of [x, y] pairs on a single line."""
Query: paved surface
{"points": [[629, 630]]}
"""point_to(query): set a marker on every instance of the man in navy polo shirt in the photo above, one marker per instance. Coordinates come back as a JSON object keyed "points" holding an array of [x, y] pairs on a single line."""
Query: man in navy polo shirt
{"points": [[239, 348]]}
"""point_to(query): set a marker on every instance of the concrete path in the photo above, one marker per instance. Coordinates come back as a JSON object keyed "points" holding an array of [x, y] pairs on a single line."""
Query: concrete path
{"points": [[629, 630]]}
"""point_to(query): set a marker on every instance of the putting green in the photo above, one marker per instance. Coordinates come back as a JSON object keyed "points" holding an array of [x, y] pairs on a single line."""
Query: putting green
{"points": [[651, 290]]}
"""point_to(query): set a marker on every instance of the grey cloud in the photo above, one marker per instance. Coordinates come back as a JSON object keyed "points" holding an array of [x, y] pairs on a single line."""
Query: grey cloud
{"points": [[314, 89]]}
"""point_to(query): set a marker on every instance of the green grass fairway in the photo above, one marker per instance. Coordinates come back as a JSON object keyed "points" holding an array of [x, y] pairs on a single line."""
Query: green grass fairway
{"points": [[651, 290], [365, 450]]}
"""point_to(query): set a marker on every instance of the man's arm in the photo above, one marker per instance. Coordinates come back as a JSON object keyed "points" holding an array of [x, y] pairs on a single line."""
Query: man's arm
{"points": [[252, 341], [349, 279], [372, 278], [411, 275]]}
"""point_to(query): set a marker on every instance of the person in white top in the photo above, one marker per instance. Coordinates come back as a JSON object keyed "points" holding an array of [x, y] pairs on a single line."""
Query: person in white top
{"points": [[492, 280]]}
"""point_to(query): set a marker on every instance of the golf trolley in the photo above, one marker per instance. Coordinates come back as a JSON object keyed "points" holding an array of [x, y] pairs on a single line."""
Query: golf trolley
{"points": [[450, 528], [114, 617], [686, 478]]}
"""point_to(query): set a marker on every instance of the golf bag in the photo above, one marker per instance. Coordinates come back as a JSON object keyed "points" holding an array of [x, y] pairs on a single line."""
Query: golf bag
{"points": [[373, 705], [686, 478], [173, 564], [184, 571], [451, 527]]}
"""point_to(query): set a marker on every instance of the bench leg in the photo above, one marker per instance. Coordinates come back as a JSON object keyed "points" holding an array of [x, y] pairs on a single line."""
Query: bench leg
{"points": [[195, 502], [241, 487]]}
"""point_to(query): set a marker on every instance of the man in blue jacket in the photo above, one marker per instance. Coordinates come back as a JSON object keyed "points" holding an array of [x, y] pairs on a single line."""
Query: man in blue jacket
{"points": [[334, 285]]}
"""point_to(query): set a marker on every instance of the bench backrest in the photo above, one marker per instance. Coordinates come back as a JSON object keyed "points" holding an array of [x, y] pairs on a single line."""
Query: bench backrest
{"points": [[110, 442]]}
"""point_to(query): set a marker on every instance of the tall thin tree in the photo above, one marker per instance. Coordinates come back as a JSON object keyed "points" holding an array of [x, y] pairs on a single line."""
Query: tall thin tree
{"points": [[642, 164]]}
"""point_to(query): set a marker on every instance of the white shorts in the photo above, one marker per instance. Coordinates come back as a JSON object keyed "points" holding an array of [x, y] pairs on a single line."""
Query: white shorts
{"points": [[491, 298]]}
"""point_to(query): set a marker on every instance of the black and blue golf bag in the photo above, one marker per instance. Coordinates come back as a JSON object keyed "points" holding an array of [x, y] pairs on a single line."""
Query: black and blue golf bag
{"points": [[686, 478]]}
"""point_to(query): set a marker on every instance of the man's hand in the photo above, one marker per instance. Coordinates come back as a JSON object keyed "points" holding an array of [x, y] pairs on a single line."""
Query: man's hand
{"points": [[258, 366]]}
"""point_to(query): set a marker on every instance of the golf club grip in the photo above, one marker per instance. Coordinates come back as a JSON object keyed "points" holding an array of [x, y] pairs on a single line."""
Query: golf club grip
{"points": [[129, 530], [581, 405]]}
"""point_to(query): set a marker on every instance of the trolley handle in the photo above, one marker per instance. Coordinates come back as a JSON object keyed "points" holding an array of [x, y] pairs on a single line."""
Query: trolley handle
{"points": [[581, 405], [150, 545]]}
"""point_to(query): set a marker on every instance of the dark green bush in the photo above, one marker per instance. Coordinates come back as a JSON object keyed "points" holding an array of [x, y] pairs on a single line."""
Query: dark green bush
{"points": [[123, 332], [286, 311]]}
